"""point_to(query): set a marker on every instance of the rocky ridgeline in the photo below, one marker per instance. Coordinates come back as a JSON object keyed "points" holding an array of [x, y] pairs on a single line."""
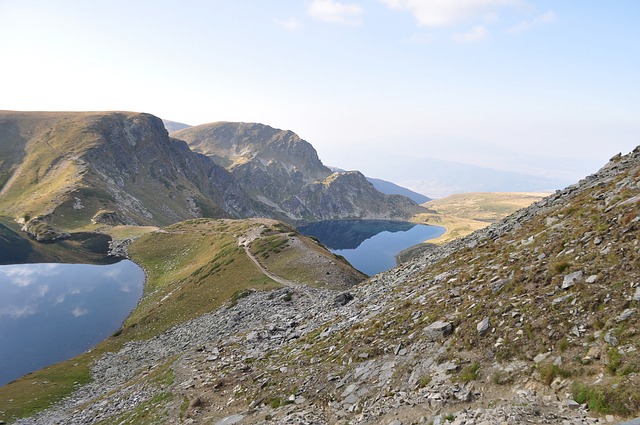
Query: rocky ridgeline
{"points": [[278, 168], [69, 169], [531, 320]]}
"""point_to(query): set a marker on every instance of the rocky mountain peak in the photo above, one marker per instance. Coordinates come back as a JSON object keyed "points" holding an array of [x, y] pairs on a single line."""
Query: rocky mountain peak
{"points": [[241, 142], [282, 171]]}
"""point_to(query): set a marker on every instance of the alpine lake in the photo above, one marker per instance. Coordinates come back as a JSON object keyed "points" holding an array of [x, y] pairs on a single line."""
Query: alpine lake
{"points": [[52, 311], [370, 246]]}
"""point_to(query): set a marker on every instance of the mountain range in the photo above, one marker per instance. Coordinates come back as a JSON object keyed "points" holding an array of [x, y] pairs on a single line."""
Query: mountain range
{"points": [[62, 170], [439, 165]]}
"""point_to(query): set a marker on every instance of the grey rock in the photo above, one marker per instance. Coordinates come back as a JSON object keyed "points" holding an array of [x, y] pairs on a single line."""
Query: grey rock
{"points": [[570, 279], [438, 329], [483, 326], [499, 284], [591, 279], [631, 422], [625, 315], [572, 404], [541, 357], [350, 389], [342, 299], [351, 399], [610, 339], [558, 300], [636, 296], [230, 420]]}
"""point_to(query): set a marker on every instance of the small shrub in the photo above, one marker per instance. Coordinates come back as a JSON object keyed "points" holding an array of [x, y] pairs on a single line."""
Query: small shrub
{"points": [[614, 360], [197, 402], [563, 344], [559, 267], [620, 399], [237, 296], [629, 369], [501, 378], [469, 373], [275, 402], [424, 381], [549, 372]]}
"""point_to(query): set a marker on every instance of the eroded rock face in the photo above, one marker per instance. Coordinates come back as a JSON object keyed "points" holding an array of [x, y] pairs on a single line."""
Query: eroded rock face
{"points": [[71, 166], [283, 171], [158, 180]]}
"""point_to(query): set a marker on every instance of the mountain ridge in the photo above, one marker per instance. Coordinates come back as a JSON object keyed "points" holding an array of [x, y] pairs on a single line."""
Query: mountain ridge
{"points": [[284, 171], [61, 171]]}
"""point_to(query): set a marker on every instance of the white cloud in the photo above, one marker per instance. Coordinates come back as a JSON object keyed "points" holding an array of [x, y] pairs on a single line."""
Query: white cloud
{"points": [[28, 274], [291, 24], [79, 311], [42, 290], [477, 33], [16, 312], [336, 12], [433, 13], [546, 18]]}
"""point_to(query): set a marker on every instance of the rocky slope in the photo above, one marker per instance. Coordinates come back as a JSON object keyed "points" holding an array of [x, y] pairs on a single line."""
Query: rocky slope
{"points": [[533, 319], [283, 171]]}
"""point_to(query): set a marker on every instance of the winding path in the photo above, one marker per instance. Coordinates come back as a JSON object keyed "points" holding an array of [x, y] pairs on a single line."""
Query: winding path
{"points": [[299, 287]]}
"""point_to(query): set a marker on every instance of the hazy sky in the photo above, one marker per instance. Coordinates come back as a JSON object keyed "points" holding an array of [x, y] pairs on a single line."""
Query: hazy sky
{"points": [[552, 77]]}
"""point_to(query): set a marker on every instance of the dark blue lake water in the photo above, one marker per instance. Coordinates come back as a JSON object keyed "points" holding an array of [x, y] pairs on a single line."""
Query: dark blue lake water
{"points": [[52, 312], [370, 245]]}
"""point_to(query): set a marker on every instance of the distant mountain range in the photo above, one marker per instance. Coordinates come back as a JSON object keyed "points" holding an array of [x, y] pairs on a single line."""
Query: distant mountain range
{"points": [[174, 126], [390, 188], [66, 170], [438, 166]]}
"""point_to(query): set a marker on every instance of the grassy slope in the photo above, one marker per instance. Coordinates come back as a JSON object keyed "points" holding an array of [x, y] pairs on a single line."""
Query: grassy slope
{"points": [[48, 169], [464, 213], [192, 268], [279, 251]]}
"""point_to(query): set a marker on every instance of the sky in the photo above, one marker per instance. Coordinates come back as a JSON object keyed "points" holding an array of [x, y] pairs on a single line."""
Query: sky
{"points": [[452, 79]]}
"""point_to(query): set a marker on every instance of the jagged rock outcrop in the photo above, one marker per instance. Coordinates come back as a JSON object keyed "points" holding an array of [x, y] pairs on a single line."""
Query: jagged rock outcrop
{"points": [[283, 171], [350, 195]]}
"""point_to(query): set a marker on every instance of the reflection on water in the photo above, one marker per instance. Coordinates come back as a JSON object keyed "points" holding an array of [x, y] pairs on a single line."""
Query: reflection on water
{"points": [[370, 245], [349, 234], [52, 312]]}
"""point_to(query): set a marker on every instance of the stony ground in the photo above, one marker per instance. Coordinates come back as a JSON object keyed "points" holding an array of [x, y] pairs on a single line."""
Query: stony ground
{"points": [[503, 327]]}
